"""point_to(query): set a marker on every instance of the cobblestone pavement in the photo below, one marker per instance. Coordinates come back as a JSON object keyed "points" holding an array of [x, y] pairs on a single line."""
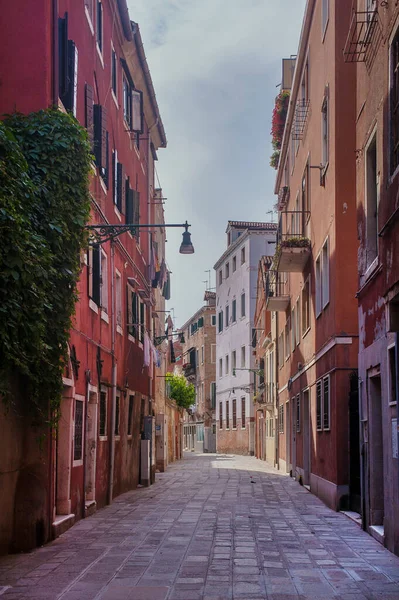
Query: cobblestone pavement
{"points": [[212, 527]]}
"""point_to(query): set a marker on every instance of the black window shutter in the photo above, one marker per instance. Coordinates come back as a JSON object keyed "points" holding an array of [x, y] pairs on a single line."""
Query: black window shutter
{"points": [[96, 275], [106, 169], [114, 171], [63, 56], [97, 134], [68, 98], [120, 186], [142, 324], [136, 209], [103, 139], [129, 202], [89, 113], [134, 314]]}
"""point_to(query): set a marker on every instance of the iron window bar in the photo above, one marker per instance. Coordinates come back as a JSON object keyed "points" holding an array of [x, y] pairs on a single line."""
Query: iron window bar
{"points": [[364, 37], [283, 196], [301, 116]]}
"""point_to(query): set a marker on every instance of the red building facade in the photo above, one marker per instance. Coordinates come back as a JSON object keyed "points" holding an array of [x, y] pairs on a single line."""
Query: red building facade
{"points": [[378, 265], [88, 58]]}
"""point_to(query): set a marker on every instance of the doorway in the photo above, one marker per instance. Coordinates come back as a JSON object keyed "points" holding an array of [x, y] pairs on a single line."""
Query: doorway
{"points": [[293, 437], [354, 445], [306, 436], [288, 436], [376, 454]]}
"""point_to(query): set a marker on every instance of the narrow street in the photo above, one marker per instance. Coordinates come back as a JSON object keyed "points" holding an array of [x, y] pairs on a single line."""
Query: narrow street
{"points": [[212, 527]]}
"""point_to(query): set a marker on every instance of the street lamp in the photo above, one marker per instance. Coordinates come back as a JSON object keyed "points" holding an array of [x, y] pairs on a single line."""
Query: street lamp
{"points": [[104, 232]]}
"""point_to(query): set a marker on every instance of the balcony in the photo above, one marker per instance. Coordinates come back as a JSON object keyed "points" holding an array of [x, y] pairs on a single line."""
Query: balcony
{"points": [[364, 37], [189, 371], [283, 197], [266, 396], [293, 244], [301, 118], [277, 298]]}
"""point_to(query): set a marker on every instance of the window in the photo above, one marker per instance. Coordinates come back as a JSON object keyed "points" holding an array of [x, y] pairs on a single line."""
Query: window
{"points": [[118, 298], [287, 339], [305, 201], [243, 255], [220, 415], [318, 285], [233, 359], [202, 355], [132, 312], [89, 6], [392, 375], [220, 329], [214, 320], [220, 367], [227, 415], [78, 433], [281, 418], [94, 274], [114, 72], [117, 414], [324, 15], [323, 404], [142, 321], [197, 358], [281, 350], [213, 354], [67, 67], [100, 141], [104, 281], [127, 101], [227, 270], [325, 132], [99, 29], [242, 356], [325, 274], [293, 329], [394, 102], [234, 264], [298, 413], [220, 277], [326, 403], [130, 415], [234, 311], [371, 201], [213, 395], [227, 313], [227, 364], [234, 413], [306, 306], [243, 305], [103, 414], [200, 322]]}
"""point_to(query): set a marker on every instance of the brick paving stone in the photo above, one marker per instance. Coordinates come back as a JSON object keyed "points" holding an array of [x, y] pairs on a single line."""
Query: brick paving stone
{"points": [[203, 531]]}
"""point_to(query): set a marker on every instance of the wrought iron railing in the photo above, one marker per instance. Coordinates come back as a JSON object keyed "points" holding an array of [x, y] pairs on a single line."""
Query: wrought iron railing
{"points": [[364, 36]]}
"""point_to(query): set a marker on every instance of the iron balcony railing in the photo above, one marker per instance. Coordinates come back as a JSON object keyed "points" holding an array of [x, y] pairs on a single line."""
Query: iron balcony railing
{"points": [[293, 228], [364, 36]]}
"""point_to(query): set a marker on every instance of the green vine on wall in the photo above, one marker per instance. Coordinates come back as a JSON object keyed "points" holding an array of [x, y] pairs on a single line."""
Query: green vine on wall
{"points": [[45, 161]]}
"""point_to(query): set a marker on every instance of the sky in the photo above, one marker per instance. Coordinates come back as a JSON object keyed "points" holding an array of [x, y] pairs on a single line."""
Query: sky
{"points": [[216, 69]]}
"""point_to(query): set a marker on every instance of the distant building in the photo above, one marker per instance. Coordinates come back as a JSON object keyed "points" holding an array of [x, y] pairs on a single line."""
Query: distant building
{"points": [[236, 282], [199, 367]]}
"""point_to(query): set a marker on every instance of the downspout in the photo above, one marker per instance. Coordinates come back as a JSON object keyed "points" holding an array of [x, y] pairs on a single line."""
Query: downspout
{"points": [[362, 450], [113, 379], [52, 443], [88, 378], [276, 432]]}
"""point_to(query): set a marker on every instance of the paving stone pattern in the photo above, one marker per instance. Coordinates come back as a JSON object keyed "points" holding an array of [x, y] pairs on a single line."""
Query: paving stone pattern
{"points": [[211, 528]]}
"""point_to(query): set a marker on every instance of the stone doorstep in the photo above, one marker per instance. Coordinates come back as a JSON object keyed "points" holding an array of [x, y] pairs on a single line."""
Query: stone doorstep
{"points": [[4, 588], [62, 523], [377, 532], [90, 507], [353, 516]]}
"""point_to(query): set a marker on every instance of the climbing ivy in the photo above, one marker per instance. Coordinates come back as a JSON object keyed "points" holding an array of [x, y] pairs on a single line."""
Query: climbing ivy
{"points": [[45, 162], [180, 390]]}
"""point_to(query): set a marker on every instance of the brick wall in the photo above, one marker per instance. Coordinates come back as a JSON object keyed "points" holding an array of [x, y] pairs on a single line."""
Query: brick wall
{"points": [[233, 441]]}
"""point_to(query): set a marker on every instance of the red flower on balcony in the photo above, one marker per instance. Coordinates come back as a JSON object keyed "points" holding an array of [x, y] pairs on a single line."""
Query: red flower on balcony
{"points": [[278, 123]]}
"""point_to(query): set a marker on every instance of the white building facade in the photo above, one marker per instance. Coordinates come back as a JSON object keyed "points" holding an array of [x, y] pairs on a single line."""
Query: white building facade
{"points": [[236, 286]]}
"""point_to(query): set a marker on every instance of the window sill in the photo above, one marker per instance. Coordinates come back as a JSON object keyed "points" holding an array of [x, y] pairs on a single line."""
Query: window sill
{"points": [[103, 438], [119, 330], [103, 186], [117, 212], [117, 438], [88, 17], [323, 36], [93, 306], [306, 332], [115, 99], [129, 436], [100, 55], [104, 316], [77, 463], [131, 338], [392, 403]]}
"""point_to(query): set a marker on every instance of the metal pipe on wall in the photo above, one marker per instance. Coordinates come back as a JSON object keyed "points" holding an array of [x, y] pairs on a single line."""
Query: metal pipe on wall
{"points": [[113, 379]]}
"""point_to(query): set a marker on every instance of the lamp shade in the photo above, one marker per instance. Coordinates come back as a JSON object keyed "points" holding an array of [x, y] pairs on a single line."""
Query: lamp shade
{"points": [[186, 246]]}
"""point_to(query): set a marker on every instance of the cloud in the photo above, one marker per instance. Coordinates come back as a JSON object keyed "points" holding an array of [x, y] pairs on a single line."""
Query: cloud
{"points": [[215, 66]]}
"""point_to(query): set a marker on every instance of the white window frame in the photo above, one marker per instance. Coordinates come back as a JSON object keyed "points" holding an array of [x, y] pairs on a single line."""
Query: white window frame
{"points": [[220, 368], [103, 390], [243, 356], [318, 285], [79, 398], [118, 302], [306, 284], [104, 295], [226, 364]]}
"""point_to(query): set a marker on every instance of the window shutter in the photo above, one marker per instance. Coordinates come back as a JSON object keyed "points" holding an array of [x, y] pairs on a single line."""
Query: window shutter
{"points": [[97, 133], [120, 188], [137, 111], [136, 209], [326, 403], [103, 138], [89, 102], [63, 56], [68, 97], [142, 321], [129, 204], [96, 275], [114, 176], [90, 271], [106, 168], [134, 314], [100, 137], [129, 305], [318, 405]]}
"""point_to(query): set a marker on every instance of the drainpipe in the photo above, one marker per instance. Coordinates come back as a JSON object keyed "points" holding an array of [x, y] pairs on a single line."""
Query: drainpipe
{"points": [[113, 379], [276, 435], [88, 379]]}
